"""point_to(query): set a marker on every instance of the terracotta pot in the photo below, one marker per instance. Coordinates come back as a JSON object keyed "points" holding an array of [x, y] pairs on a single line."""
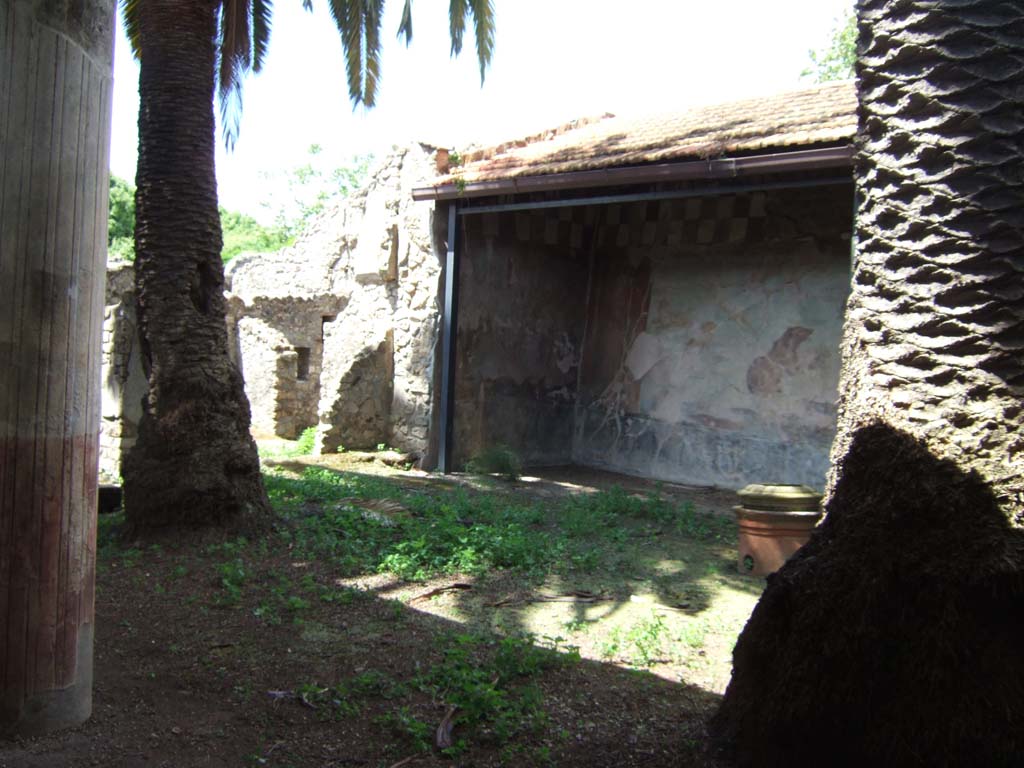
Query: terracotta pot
{"points": [[775, 521]]}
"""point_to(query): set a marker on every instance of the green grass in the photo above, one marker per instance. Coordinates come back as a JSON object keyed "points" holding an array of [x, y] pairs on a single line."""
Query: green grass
{"points": [[280, 448], [490, 682], [611, 541], [444, 532], [458, 531], [641, 553]]}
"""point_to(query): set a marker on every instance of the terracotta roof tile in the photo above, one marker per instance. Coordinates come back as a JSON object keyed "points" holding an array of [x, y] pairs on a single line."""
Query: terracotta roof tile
{"points": [[824, 114]]}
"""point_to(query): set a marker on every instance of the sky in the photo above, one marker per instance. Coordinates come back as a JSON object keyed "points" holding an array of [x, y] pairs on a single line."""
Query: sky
{"points": [[554, 61]]}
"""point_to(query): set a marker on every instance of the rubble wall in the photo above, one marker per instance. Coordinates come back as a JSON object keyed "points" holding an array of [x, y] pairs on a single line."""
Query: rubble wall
{"points": [[123, 379], [358, 290], [280, 346]]}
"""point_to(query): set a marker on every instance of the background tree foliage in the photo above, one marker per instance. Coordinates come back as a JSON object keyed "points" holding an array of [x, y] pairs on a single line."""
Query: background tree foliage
{"points": [[121, 222], [241, 231], [299, 194], [835, 61]]}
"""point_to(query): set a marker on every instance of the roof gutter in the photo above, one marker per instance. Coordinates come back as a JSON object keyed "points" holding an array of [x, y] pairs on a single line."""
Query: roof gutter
{"points": [[695, 170]]}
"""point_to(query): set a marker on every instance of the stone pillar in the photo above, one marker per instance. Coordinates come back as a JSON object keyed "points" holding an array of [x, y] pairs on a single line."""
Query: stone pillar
{"points": [[55, 102]]}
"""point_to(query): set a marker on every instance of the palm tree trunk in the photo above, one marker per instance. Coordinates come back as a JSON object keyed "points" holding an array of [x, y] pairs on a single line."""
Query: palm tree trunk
{"points": [[934, 337], [893, 637], [55, 89], [195, 463]]}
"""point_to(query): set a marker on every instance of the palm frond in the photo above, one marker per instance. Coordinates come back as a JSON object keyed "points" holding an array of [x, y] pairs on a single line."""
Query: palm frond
{"points": [[372, 12], [405, 25], [483, 28], [235, 51], [262, 10], [130, 12], [359, 21], [351, 43], [457, 24]]}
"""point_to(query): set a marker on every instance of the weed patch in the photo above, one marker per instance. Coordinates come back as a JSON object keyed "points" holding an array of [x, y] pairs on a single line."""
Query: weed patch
{"points": [[489, 684], [496, 460]]}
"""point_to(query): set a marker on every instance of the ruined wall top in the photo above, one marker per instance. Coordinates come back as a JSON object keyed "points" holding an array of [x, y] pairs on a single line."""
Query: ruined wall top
{"points": [[336, 245], [120, 280]]}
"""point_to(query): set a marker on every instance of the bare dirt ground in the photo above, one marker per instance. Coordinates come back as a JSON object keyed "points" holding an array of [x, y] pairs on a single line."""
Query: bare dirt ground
{"points": [[259, 654]]}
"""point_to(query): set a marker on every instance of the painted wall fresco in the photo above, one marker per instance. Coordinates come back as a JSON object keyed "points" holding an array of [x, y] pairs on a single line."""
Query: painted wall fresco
{"points": [[692, 340]]}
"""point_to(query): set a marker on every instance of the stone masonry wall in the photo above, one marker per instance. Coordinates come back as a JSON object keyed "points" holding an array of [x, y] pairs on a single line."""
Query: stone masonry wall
{"points": [[280, 346], [360, 419], [124, 383], [338, 330]]}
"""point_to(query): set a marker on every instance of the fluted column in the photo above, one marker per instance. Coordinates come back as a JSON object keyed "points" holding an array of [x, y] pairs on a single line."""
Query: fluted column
{"points": [[55, 103]]}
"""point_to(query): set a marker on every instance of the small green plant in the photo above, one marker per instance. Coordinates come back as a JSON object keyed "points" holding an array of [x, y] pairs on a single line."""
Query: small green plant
{"points": [[228, 548], [585, 561], [496, 460], [578, 625], [611, 646], [345, 698], [232, 577], [645, 638], [243, 691], [693, 634], [337, 596], [131, 557], [296, 604], [526, 654], [489, 681], [304, 445], [641, 644], [265, 611], [403, 723], [374, 683]]}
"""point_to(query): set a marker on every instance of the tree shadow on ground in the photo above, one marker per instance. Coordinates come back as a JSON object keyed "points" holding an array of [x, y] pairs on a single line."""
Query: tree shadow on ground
{"points": [[244, 654]]}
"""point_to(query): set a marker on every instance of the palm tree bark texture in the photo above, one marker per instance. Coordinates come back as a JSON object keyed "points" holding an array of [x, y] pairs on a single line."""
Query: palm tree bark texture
{"points": [[194, 463], [893, 638]]}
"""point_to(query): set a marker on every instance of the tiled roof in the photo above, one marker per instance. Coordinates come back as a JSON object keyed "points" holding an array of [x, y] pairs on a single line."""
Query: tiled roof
{"points": [[820, 115]]}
